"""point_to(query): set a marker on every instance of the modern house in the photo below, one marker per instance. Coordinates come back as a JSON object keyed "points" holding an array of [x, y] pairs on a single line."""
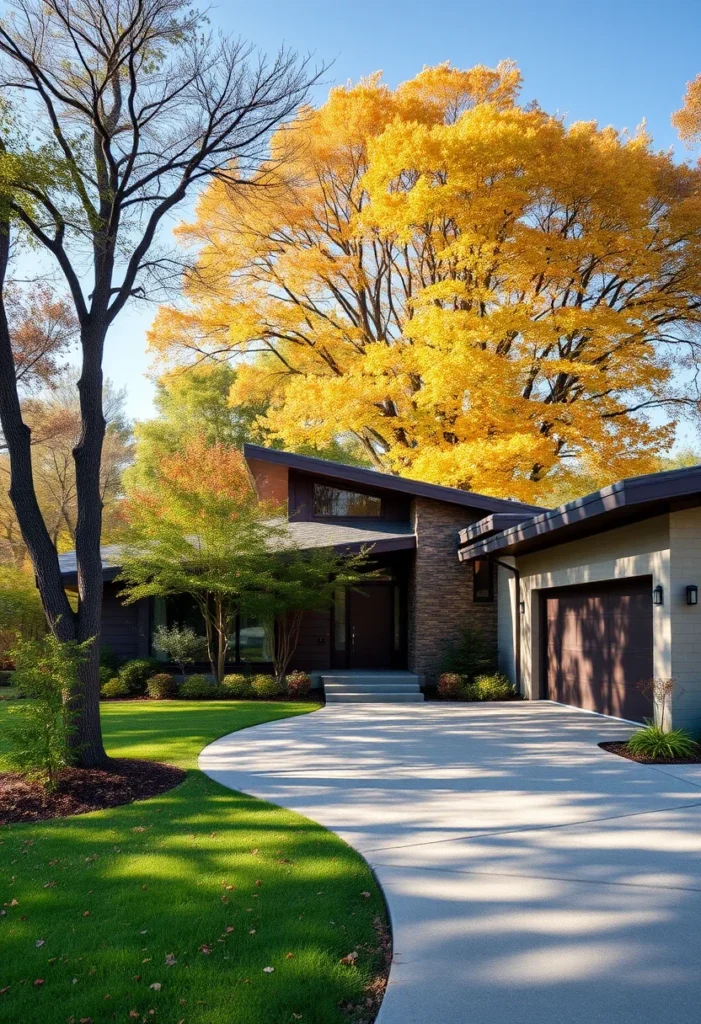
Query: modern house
{"points": [[582, 604], [403, 621]]}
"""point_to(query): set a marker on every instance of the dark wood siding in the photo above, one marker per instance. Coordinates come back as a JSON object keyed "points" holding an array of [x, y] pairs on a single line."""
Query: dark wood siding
{"points": [[125, 628], [313, 652], [598, 646]]}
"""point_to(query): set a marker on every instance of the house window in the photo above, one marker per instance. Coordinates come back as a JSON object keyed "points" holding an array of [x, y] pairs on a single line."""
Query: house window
{"points": [[339, 619], [482, 582], [253, 640], [337, 503]]}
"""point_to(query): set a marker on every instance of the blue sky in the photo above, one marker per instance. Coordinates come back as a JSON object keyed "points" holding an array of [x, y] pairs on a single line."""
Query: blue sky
{"points": [[616, 62]]}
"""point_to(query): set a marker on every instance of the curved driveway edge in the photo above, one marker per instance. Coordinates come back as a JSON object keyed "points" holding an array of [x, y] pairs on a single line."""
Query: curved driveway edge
{"points": [[529, 875]]}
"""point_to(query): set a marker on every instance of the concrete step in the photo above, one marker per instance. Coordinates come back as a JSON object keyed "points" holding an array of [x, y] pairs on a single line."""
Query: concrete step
{"points": [[359, 676], [374, 698], [371, 687]]}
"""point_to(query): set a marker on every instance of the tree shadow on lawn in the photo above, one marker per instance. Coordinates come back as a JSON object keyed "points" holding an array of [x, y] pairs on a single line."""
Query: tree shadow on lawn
{"points": [[223, 883]]}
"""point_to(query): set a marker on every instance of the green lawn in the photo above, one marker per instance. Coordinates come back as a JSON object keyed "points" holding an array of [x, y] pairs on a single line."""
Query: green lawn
{"points": [[222, 884]]}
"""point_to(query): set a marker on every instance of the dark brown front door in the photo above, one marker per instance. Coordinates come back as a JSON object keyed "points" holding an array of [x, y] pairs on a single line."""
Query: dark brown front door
{"points": [[599, 646], [371, 626]]}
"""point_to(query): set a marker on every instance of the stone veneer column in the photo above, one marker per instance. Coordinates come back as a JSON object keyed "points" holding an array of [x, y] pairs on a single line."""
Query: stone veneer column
{"points": [[440, 588]]}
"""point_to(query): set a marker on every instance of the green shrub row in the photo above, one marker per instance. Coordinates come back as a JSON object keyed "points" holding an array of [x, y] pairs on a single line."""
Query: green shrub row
{"points": [[656, 745], [140, 677], [494, 686]]}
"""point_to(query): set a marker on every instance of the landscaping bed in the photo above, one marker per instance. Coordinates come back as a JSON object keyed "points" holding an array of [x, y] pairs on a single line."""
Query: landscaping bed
{"points": [[78, 792], [621, 748]]}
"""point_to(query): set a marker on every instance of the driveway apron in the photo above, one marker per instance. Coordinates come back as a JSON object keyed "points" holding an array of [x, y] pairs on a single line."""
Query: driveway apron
{"points": [[530, 876]]}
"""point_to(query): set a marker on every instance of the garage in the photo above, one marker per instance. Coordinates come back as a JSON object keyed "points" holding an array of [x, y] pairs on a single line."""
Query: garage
{"points": [[598, 646]]}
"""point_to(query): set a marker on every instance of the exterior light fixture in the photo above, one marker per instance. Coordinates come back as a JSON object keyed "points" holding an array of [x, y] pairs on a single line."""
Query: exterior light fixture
{"points": [[658, 594], [692, 594]]}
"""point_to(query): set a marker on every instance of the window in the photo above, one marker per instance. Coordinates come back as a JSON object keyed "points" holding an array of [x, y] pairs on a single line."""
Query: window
{"points": [[253, 641], [482, 582], [181, 610], [333, 501], [339, 634]]}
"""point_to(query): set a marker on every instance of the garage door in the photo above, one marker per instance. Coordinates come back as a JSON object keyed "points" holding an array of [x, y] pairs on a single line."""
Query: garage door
{"points": [[599, 646]]}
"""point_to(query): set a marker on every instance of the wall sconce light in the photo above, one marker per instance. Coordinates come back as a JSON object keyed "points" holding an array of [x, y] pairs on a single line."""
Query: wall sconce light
{"points": [[658, 594], [692, 594]]}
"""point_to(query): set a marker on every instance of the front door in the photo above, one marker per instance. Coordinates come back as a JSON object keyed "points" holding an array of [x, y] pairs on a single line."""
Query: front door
{"points": [[371, 626]]}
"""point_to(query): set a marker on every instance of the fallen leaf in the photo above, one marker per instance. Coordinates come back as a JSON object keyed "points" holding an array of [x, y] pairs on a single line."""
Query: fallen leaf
{"points": [[134, 1014], [289, 956], [4, 990], [156, 986], [147, 960], [49, 885], [170, 959], [39, 943], [350, 959], [268, 970], [366, 895], [229, 928], [74, 982], [205, 949], [297, 1016], [137, 977], [86, 1020], [258, 882], [139, 828], [86, 913], [39, 982], [252, 931]]}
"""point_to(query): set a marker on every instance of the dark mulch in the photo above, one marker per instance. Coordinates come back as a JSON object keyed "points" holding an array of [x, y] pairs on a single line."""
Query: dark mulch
{"points": [[85, 789], [621, 748]]}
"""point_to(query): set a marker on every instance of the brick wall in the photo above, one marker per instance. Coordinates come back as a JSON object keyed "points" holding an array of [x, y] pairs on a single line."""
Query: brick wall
{"points": [[440, 588]]}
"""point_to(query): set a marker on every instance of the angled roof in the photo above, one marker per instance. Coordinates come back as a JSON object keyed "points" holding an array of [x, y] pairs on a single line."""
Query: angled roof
{"points": [[384, 481], [380, 536], [628, 500]]}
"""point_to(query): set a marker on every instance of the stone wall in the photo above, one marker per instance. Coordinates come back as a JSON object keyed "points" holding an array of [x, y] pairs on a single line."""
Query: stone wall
{"points": [[440, 588]]}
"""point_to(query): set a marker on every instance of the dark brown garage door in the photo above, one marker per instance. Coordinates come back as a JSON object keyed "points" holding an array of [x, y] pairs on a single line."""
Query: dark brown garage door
{"points": [[599, 646]]}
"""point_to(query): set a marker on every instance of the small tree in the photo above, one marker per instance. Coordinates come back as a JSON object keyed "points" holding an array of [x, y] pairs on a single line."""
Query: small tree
{"points": [[199, 530], [296, 582], [47, 672], [181, 644], [659, 692]]}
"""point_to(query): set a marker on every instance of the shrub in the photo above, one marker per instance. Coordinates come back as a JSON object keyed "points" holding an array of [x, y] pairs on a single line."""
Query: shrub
{"points": [[298, 684], [652, 742], [136, 673], [161, 686], [490, 687], [236, 687], [106, 675], [109, 660], [114, 688], [472, 656], [181, 644], [265, 687], [197, 687], [46, 671], [451, 686]]}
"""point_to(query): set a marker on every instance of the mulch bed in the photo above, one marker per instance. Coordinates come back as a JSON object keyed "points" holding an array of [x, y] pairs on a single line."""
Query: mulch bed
{"points": [[621, 748], [85, 789]]}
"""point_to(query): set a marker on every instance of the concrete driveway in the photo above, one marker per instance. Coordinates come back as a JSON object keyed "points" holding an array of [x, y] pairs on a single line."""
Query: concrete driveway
{"points": [[530, 876]]}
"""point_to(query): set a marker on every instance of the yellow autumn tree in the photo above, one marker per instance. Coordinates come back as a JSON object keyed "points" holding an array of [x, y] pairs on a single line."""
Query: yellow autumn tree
{"points": [[687, 120], [482, 296]]}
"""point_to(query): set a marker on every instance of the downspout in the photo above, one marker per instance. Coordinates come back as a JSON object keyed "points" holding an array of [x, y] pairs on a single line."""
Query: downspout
{"points": [[517, 643]]}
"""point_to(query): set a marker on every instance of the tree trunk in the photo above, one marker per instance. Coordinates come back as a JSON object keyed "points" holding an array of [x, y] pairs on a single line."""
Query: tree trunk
{"points": [[87, 454], [86, 743]]}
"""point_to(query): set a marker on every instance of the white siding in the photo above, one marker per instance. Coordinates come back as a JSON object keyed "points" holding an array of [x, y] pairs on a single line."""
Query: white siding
{"points": [[685, 568]]}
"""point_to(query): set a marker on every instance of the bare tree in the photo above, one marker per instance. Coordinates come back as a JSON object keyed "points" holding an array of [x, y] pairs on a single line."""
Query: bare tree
{"points": [[123, 108]]}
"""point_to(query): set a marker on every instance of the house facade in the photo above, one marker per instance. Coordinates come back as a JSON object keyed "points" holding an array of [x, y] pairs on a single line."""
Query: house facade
{"points": [[405, 618], [600, 596]]}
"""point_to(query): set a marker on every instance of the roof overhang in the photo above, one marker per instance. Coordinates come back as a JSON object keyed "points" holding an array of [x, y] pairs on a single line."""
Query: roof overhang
{"points": [[371, 478], [617, 505]]}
